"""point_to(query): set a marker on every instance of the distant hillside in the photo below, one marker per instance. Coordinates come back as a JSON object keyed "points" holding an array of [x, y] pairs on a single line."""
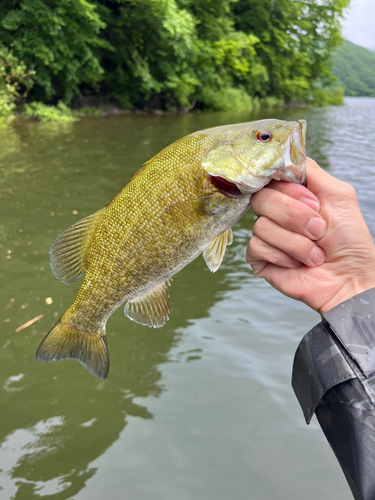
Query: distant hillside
{"points": [[354, 67]]}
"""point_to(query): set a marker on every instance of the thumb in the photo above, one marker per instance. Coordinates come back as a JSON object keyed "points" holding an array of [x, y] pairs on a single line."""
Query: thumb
{"points": [[319, 181]]}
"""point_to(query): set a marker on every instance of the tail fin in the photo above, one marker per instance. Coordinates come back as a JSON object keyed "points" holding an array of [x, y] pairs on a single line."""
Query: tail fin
{"points": [[66, 342]]}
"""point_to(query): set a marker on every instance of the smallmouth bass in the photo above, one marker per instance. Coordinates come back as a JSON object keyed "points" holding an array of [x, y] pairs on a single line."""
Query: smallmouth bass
{"points": [[180, 204]]}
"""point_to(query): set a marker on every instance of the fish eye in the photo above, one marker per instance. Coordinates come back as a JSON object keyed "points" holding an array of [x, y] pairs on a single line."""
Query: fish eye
{"points": [[264, 135]]}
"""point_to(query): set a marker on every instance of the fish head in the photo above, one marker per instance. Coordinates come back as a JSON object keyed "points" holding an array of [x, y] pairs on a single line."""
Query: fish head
{"points": [[253, 154]]}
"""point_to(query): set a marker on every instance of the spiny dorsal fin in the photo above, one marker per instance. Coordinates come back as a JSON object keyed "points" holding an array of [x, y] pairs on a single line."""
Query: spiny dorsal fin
{"points": [[152, 308], [68, 251], [214, 253]]}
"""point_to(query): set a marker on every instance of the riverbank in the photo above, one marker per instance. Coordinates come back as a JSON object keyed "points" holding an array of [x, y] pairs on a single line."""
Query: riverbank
{"points": [[100, 106]]}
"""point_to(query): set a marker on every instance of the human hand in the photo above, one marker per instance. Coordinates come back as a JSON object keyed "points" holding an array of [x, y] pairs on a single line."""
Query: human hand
{"points": [[312, 244]]}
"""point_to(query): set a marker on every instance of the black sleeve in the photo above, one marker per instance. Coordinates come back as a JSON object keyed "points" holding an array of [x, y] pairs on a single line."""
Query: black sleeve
{"points": [[334, 377]]}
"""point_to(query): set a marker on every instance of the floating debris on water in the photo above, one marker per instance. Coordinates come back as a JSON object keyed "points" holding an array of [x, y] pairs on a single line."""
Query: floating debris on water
{"points": [[29, 323], [8, 306], [48, 301]]}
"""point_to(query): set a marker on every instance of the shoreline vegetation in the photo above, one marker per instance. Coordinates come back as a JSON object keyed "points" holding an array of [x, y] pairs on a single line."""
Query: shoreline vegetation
{"points": [[61, 60], [39, 112]]}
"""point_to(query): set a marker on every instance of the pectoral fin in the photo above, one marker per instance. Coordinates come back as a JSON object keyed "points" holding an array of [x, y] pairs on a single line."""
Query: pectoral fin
{"points": [[151, 309], [68, 251], [187, 211], [214, 253]]}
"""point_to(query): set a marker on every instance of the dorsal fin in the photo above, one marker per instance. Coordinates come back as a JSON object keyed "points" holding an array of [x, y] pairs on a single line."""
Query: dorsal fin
{"points": [[214, 253], [152, 308], [68, 251]]}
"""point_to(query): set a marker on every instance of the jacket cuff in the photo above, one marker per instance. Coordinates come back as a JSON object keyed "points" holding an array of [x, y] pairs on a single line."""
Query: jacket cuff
{"points": [[334, 350], [353, 324], [318, 366]]}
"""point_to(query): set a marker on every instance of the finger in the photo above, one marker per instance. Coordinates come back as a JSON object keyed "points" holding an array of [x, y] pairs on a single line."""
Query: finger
{"points": [[296, 245], [259, 253], [279, 277], [318, 180], [289, 213], [323, 185], [297, 192]]}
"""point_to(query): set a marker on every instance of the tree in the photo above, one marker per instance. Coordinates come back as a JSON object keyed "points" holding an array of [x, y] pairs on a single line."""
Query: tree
{"points": [[57, 41], [296, 39]]}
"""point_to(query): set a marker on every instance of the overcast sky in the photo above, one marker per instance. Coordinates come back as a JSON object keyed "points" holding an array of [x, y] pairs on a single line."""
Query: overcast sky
{"points": [[359, 25]]}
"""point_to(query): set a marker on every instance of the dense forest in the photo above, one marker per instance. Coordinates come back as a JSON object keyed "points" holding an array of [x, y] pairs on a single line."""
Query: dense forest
{"points": [[354, 68], [166, 54]]}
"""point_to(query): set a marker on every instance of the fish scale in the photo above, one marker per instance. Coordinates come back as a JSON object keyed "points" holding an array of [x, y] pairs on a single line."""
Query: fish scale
{"points": [[179, 204]]}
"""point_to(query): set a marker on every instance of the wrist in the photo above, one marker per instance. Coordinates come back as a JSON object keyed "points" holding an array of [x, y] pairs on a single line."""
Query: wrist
{"points": [[350, 288]]}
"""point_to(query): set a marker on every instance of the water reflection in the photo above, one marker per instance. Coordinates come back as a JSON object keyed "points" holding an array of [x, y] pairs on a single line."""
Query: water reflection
{"points": [[200, 409]]}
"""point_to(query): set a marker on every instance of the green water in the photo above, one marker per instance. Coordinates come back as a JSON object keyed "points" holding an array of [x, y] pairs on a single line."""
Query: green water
{"points": [[200, 409]]}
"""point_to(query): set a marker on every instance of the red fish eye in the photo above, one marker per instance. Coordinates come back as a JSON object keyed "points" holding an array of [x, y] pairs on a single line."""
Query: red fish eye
{"points": [[264, 135]]}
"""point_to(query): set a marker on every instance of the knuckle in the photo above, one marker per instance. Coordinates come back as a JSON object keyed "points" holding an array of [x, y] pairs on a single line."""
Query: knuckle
{"points": [[257, 200], [347, 190], [301, 248], [260, 225], [254, 242], [296, 216], [258, 268], [249, 253], [253, 247]]}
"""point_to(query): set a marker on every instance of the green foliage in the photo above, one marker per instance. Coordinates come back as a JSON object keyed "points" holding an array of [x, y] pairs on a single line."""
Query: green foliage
{"points": [[44, 113], [15, 81], [233, 61], [89, 111], [270, 102], [328, 96], [295, 41], [156, 51], [57, 39], [354, 68], [174, 54], [226, 99], [335, 96]]}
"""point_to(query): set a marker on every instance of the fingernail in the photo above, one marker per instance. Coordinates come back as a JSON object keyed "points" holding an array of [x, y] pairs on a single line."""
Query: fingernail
{"points": [[317, 256], [311, 203], [317, 227]]}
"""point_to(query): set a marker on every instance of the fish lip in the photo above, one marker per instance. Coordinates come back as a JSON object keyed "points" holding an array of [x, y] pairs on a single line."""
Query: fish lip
{"points": [[294, 146]]}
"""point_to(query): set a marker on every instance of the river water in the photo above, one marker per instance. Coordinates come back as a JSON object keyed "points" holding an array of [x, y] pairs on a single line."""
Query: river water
{"points": [[200, 409]]}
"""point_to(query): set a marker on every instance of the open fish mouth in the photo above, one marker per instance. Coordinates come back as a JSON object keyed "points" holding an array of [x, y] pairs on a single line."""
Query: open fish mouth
{"points": [[224, 186]]}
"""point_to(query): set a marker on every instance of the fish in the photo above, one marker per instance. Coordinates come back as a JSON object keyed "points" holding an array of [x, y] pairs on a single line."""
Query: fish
{"points": [[180, 204]]}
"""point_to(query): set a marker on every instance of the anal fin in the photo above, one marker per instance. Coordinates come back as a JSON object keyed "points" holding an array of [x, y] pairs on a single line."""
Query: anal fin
{"points": [[68, 251], [214, 253], [151, 309]]}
